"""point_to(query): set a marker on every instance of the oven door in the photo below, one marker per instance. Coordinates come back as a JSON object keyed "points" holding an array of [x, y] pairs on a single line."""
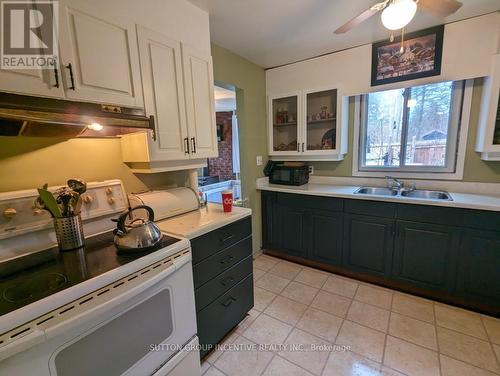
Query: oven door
{"points": [[136, 333]]}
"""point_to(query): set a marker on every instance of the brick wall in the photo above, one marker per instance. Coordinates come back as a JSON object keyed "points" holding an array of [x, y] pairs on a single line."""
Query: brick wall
{"points": [[223, 165]]}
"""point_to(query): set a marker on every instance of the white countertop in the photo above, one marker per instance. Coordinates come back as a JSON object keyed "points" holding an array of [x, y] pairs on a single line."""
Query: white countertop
{"points": [[460, 200], [199, 222]]}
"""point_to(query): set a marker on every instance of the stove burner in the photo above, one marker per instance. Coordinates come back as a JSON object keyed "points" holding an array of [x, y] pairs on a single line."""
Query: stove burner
{"points": [[33, 287]]}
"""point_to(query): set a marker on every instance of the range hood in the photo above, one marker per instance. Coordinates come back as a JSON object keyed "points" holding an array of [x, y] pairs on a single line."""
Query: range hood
{"points": [[22, 115]]}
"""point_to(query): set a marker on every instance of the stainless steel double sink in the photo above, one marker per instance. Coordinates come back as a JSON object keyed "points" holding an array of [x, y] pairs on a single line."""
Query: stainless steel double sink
{"points": [[410, 193]]}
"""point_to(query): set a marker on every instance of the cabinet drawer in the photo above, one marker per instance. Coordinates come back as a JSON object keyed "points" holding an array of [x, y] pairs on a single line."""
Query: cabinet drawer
{"points": [[211, 290], [309, 202], [209, 244], [372, 208], [217, 319], [221, 261]]}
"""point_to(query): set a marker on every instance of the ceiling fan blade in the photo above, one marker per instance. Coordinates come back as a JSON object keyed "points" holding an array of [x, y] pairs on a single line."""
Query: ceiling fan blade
{"points": [[356, 20], [440, 8]]}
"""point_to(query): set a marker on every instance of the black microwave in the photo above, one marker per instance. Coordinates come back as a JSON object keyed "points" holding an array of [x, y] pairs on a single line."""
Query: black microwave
{"points": [[287, 174]]}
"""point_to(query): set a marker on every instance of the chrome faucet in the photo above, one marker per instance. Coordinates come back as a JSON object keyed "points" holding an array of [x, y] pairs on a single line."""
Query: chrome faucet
{"points": [[392, 182]]}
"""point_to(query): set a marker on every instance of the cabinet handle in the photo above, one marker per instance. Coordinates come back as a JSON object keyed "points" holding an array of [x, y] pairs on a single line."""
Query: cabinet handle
{"points": [[223, 240], [228, 302], [56, 75], [226, 259], [227, 281], [302, 147], [194, 144], [393, 229], [71, 77], [298, 147], [186, 145]]}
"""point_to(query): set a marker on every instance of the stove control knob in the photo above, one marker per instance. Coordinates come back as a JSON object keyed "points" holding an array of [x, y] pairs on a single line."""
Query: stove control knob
{"points": [[38, 212], [111, 200], [9, 213], [109, 191], [87, 200]]}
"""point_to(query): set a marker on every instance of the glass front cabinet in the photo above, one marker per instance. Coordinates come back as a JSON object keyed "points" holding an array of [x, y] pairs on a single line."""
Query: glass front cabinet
{"points": [[488, 137], [308, 125]]}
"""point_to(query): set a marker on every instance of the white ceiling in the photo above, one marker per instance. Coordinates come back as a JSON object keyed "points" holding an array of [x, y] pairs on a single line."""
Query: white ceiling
{"points": [[276, 32]]}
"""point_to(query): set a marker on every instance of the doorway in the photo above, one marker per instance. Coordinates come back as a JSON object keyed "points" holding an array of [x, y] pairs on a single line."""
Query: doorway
{"points": [[223, 173]]}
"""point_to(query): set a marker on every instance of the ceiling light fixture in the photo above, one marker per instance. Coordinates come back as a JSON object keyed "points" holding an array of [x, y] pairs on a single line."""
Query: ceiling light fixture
{"points": [[398, 14], [95, 127]]}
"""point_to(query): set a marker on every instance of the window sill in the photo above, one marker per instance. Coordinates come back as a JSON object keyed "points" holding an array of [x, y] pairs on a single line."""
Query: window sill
{"points": [[411, 175]]}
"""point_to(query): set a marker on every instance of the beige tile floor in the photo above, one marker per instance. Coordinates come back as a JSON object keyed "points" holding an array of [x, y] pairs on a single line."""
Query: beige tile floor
{"points": [[330, 325]]}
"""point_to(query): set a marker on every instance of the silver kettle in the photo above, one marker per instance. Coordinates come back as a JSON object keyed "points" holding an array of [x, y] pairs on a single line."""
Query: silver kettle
{"points": [[138, 235]]}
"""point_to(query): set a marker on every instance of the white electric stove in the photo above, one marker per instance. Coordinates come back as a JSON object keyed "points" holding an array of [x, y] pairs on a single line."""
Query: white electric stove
{"points": [[92, 310]]}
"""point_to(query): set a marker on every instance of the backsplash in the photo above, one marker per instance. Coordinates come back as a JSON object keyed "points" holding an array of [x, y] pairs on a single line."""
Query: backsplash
{"points": [[27, 163]]}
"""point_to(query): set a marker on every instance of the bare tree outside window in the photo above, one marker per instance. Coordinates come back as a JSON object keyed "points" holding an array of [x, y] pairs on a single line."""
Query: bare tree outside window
{"points": [[411, 129]]}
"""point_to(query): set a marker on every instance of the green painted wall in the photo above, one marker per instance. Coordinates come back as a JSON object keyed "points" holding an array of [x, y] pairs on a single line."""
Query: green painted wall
{"points": [[475, 169], [30, 162], [250, 82]]}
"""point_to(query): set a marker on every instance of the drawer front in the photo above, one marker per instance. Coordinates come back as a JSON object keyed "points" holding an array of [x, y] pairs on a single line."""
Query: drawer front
{"points": [[221, 261], [211, 290], [217, 319], [371, 208], [206, 245], [309, 202]]}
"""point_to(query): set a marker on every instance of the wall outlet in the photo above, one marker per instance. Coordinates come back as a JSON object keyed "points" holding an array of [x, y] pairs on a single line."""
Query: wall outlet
{"points": [[311, 170], [259, 160]]}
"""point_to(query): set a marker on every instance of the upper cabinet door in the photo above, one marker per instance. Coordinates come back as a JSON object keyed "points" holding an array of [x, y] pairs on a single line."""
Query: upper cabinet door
{"points": [[98, 56], [39, 82], [200, 103], [284, 114], [320, 135], [488, 136], [162, 81]]}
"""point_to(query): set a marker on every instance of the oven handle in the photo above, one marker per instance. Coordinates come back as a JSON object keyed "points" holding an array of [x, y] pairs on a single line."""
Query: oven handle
{"points": [[89, 314]]}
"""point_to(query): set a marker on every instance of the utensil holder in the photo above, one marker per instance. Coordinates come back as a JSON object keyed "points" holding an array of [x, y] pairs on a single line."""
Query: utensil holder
{"points": [[69, 232]]}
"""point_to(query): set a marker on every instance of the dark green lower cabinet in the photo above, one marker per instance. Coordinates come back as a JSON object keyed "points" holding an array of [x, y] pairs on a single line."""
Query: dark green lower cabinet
{"points": [[219, 317], [324, 236], [289, 230], [425, 255], [479, 269], [450, 254], [368, 244]]}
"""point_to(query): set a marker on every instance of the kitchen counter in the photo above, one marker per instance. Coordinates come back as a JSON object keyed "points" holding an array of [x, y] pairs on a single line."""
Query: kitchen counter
{"points": [[460, 200], [199, 222]]}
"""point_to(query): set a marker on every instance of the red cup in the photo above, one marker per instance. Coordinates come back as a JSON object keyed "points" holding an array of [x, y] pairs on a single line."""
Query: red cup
{"points": [[227, 201]]}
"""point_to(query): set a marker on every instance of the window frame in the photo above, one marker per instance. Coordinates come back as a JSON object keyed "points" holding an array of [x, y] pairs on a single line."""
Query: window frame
{"points": [[453, 171]]}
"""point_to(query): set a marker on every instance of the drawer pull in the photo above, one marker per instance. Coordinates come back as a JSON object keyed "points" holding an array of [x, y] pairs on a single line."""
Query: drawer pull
{"points": [[228, 302], [227, 281], [227, 259], [223, 240]]}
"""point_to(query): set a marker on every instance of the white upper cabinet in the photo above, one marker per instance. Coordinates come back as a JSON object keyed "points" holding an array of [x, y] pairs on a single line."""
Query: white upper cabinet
{"points": [[179, 93], [488, 137], [309, 125], [99, 59], [200, 103], [162, 81], [38, 82]]}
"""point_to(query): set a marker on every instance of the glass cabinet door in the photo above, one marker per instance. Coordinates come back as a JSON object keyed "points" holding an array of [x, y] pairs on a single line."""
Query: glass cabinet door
{"points": [[284, 124], [321, 120], [496, 131]]}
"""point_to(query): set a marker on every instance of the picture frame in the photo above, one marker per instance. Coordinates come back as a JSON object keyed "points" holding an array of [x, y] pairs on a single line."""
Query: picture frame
{"points": [[421, 57]]}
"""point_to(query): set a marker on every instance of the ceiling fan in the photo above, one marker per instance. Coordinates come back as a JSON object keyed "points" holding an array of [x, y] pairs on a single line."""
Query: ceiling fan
{"points": [[396, 14]]}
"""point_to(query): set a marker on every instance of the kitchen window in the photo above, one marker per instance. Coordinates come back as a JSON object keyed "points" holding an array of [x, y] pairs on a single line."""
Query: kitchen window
{"points": [[411, 130]]}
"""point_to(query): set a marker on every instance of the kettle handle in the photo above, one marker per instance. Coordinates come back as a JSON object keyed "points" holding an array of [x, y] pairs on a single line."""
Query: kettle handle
{"points": [[121, 219]]}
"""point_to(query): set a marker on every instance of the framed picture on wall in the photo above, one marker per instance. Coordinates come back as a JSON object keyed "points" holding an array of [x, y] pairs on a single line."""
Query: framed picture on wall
{"points": [[419, 56]]}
